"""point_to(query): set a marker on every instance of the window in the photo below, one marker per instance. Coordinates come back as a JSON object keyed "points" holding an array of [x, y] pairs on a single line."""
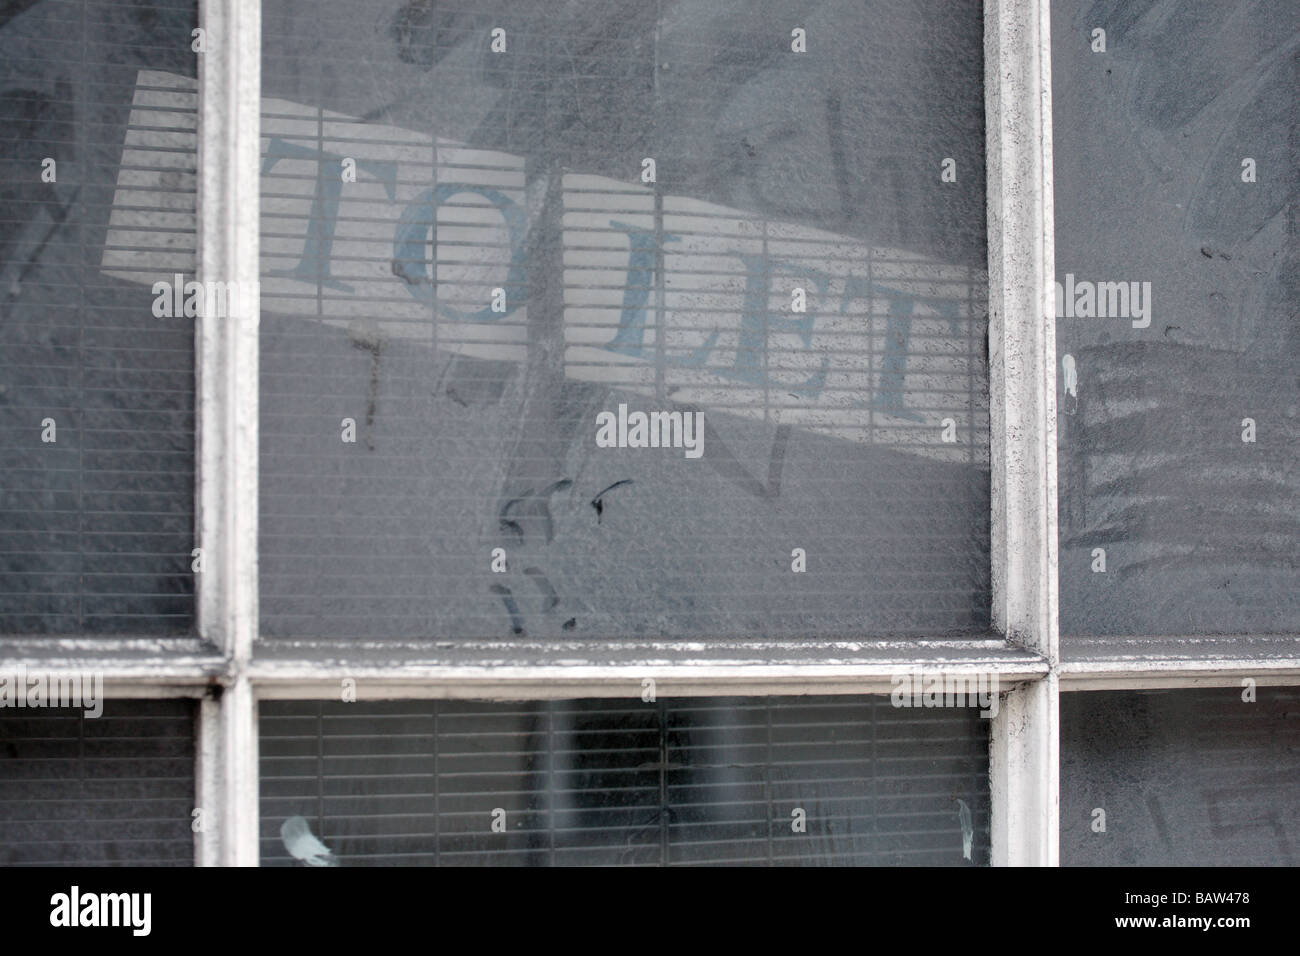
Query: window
{"points": [[622, 213], [98, 789], [819, 780], [99, 156], [1189, 777], [597, 415], [1178, 430]]}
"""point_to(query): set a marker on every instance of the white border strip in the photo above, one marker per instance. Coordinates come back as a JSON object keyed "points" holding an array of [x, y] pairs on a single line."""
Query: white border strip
{"points": [[1022, 378], [227, 372]]}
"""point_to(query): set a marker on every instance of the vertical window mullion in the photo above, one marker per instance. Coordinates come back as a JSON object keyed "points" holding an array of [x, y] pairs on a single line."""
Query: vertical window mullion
{"points": [[227, 371], [1022, 378]]}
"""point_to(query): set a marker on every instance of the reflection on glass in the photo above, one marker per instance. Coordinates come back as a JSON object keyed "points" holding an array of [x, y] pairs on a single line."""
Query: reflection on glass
{"points": [[633, 215]]}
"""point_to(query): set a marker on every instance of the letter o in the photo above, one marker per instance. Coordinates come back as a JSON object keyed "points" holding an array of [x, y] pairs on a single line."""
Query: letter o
{"points": [[413, 228]]}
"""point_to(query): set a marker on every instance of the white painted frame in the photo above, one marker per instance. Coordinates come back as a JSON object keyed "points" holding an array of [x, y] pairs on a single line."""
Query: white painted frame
{"points": [[222, 670], [1023, 757], [1024, 739], [226, 365]]}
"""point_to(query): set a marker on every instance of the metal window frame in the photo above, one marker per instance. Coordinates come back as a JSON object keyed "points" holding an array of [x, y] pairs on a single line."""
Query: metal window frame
{"points": [[221, 669]]}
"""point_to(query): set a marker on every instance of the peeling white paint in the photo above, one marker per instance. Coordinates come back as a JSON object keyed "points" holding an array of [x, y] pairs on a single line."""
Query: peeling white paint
{"points": [[1022, 354]]}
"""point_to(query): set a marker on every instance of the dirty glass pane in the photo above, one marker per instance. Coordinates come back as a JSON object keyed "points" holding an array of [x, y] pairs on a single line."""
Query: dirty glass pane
{"points": [[805, 781], [1184, 777], [97, 187], [115, 789], [496, 237], [1176, 253]]}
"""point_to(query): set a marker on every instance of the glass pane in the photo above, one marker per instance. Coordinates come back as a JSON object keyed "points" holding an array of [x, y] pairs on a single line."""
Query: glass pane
{"points": [[661, 388], [808, 781], [97, 183], [1184, 778], [112, 790], [1177, 257]]}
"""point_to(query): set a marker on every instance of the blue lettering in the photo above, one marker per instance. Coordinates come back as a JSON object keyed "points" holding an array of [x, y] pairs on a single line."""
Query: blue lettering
{"points": [[323, 219], [756, 323], [413, 230], [630, 338]]}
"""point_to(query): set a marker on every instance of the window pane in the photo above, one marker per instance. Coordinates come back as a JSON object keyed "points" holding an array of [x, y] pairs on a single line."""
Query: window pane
{"points": [[608, 782], [1179, 424], [112, 790], [465, 267], [97, 161], [1185, 778]]}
